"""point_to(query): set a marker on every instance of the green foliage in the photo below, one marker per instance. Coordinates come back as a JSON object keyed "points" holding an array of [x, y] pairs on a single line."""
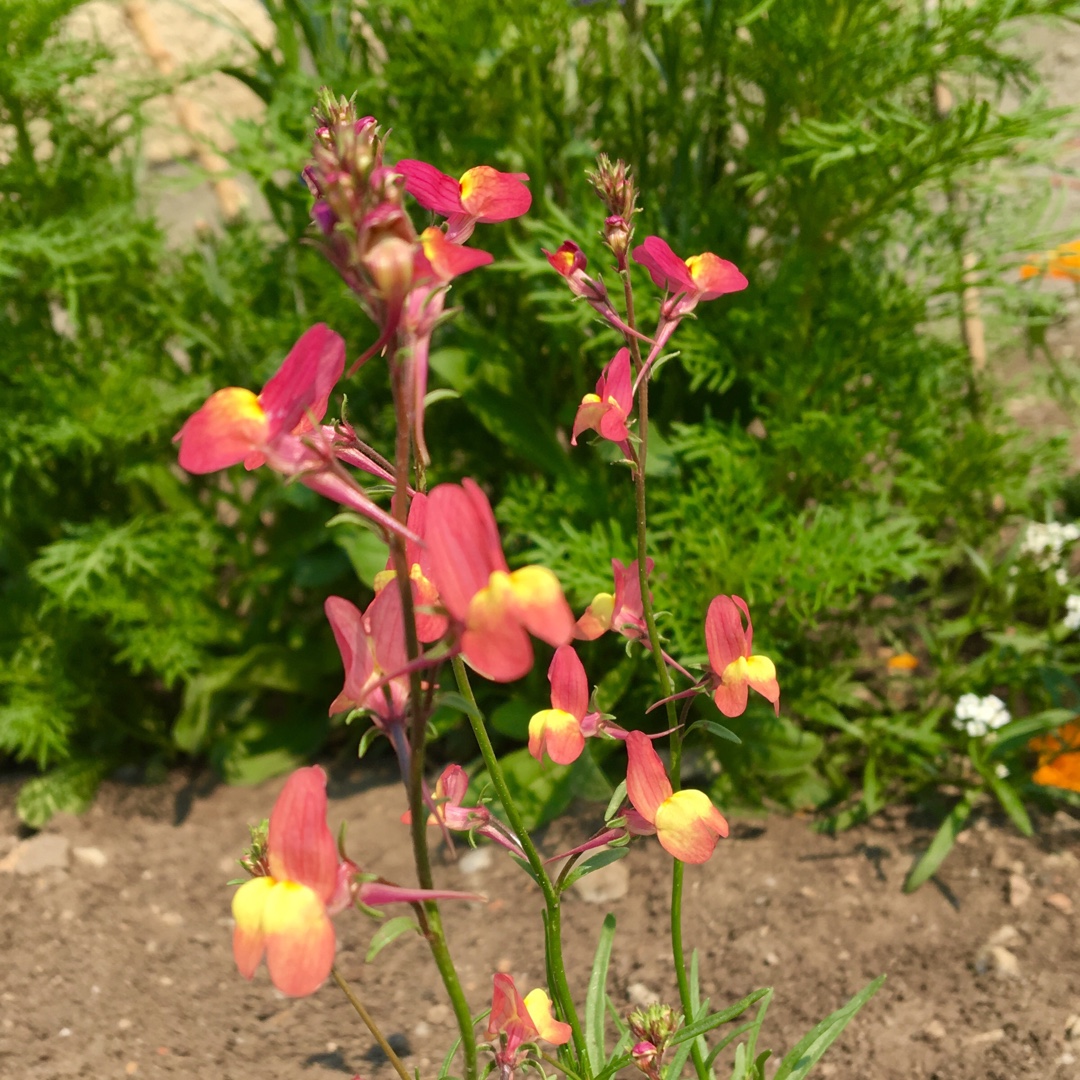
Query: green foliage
{"points": [[819, 447]]}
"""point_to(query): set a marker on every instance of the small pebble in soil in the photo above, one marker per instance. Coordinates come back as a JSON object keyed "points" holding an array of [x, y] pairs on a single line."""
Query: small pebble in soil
{"points": [[997, 960], [1072, 1029], [131, 1068], [934, 1031], [1060, 902], [90, 856], [639, 994], [504, 965], [422, 1030], [985, 1038], [64, 1033], [1019, 890], [124, 1024], [438, 1014], [604, 886], [771, 959], [46, 851], [475, 861]]}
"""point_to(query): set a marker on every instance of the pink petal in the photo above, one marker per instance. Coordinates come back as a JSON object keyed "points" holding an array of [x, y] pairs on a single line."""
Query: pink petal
{"points": [[502, 653], [569, 683], [688, 826], [305, 380], [376, 893], [730, 698], [300, 844], [489, 195], [386, 625], [725, 638], [666, 269], [446, 260], [300, 941], [432, 189], [713, 276], [463, 544], [352, 642], [617, 381], [647, 785], [230, 425]]}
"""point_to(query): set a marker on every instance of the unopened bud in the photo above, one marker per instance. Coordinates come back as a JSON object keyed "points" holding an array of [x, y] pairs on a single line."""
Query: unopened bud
{"points": [[615, 187], [655, 1023], [390, 265], [646, 1058], [617, 233]]}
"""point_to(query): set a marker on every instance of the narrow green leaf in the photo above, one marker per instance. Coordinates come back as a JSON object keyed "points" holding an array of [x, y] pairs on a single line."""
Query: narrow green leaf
{"points": [[1010, 801], [618, 797], [596, 997], [808, 1052], [389, 931], [940, 846], [450, 699], [716, 729], [593, 863], [707, 1023]]}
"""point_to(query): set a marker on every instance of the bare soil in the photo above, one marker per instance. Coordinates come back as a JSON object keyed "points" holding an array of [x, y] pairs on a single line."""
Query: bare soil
{"points": [[125, 969]]}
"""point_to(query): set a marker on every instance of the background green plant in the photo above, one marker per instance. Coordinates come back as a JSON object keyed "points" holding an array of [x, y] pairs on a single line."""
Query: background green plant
{"points": [[821, 446]]}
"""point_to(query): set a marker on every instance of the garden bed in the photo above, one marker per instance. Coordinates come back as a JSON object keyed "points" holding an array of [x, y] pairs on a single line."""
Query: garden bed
{"points": [[118, 959]]}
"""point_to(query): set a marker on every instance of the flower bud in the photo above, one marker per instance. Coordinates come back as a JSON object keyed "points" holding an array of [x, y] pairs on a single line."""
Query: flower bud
{"points": [[615, 187], [389, 262], [646, 1058], [617, 234], [655, 1023]]}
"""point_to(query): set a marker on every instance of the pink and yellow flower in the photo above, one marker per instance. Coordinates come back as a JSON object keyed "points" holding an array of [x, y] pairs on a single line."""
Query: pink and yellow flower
{"points": [[686, 822], [621, 611], [442, 260], [607, 410], [515, 1021], [700, 277], [235, 425], [482, 194], [562, 729], [733, 668], [494, 609], [284, 913]]}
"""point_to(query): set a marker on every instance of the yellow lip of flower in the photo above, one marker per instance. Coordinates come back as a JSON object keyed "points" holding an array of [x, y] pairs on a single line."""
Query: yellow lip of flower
{"points": [[745, 668]]}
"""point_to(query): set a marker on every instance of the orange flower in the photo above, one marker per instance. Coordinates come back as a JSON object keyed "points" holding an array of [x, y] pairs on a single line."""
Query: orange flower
{"points": [[902, 662], [1061, 262], [1059, 758]]}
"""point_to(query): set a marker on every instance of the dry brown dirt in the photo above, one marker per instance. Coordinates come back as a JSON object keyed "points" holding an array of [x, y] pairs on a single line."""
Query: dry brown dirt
{"points": [[124, 969]]}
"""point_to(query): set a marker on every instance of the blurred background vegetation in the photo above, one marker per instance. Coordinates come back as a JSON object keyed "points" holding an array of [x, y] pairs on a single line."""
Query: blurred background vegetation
{"points": [[823, 445]]}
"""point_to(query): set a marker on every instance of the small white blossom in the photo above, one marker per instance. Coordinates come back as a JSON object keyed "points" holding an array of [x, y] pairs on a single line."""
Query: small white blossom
{"points": [[1072, 612], [979, 715], [1061, 575], [1002, 770], [1045, 542]]}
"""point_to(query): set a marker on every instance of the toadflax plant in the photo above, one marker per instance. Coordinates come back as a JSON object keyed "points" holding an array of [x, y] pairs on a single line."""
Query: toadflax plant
{"points": [[448, 608]]}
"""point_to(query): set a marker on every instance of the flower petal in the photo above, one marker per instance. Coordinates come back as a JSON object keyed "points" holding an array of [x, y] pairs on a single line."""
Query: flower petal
{"points": [[538, 1006], [569, 683], [432, 189], [617, 382], [463, 544], [557, 732], [305, 380], [536, 598], [489, 195], [230, 424], [761, 675], [300, 845], [725, 638], [447, 260], [647, 785], [352, 642], [249, 942], [713, 276], [597, 618], [667, 270], [688, 825], [299, 939]]}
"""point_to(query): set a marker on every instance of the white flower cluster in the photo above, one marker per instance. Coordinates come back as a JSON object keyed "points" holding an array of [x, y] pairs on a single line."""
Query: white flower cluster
{"points": [[1072, 612], [978, 715], [1045, 542]]}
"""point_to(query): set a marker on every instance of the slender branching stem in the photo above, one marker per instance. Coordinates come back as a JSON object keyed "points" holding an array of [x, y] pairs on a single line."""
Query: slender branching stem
{"points": [[358, 1005], [666, 689], [560, 988], [435, 934]]}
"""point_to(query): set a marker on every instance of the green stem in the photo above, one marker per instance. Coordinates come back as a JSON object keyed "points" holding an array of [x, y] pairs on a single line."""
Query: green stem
{"points": [[435, 934], [364, 1015], [560, 988], [666, 688]]}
